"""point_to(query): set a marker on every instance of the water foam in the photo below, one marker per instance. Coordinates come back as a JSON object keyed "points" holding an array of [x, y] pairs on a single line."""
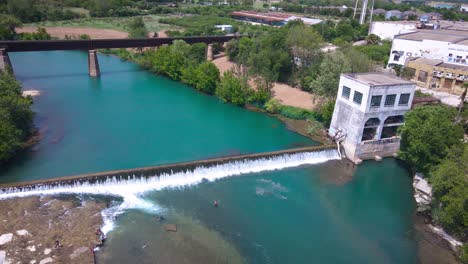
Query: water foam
{"points": [[132, 188]]}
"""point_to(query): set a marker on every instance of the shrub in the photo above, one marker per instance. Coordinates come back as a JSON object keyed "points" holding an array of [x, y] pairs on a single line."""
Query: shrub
{"points": [[233, 89], [207, 77], [273, 106]]}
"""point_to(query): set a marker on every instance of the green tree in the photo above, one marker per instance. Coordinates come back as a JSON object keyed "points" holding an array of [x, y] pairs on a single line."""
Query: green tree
{"points": [[16, 117], [207, 77], [372, 39], [428, 134], [304, 44], [326, 83], [137, 28], [449, 182], [7, 27], [233, 89]]}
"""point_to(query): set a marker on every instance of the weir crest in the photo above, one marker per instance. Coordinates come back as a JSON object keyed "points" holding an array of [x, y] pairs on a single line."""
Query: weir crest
{"points": [[131, 186]]}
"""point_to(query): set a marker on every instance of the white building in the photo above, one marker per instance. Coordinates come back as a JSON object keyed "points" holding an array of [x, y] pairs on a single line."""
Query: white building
{"points": [[450, 46], [224, 28], [389, 29], [464, 7], [369, 109]]}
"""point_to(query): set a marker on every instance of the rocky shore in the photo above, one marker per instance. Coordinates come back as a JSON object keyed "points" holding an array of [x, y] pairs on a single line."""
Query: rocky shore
{"points": [[30, 228], [434, 245]]}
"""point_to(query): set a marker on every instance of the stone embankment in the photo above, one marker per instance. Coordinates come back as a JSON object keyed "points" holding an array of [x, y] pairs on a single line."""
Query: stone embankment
{"points": [[30, 227]]}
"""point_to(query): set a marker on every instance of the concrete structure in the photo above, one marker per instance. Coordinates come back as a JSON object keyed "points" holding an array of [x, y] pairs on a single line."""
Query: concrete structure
{"points": [[5, 63], [368, 111], [393, 13], [93, 64], [389, 29], [438, 74], [450, 46], [464, 7], [209, 52]]}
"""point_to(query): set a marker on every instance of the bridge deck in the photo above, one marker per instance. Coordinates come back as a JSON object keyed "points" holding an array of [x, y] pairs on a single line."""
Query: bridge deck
{"points": [[91, 44], [158, 170]]}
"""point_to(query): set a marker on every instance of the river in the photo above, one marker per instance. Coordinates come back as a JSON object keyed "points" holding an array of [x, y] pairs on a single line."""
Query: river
{"points": [[322, 213]]}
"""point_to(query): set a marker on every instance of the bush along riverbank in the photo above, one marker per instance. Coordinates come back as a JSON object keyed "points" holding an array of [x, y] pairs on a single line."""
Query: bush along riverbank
{"points": [[187, 63], [16, 118], [432, 144]]}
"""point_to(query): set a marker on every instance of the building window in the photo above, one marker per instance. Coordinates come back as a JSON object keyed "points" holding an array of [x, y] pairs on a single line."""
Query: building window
{"points": [[375, 101], [396, 55], [422, 77], [390, 100], [357, 98], [346, 92], [404, 99]]}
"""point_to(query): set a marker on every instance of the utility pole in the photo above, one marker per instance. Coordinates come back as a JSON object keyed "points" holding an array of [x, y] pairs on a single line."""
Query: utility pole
{"points": [[371, 13]]}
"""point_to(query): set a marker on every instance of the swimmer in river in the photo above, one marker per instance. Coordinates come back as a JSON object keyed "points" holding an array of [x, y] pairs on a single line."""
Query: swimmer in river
{"points": [[216, 203], [57, 244]]}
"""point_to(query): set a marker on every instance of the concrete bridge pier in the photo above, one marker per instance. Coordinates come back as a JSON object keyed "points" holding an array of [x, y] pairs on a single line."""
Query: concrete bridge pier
{"points": [[93, 64], [5, 63], [209, 52]]}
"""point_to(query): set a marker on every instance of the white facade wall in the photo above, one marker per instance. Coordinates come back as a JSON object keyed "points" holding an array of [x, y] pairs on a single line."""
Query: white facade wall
{"points": [[387, 30], [429, 49], [464, 8]]}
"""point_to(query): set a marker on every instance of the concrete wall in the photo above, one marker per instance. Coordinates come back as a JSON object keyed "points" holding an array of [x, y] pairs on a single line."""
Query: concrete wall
{"points": [[388, 30]]}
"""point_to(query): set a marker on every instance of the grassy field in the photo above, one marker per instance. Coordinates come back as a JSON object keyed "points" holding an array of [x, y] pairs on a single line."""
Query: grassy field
{"points": [[116, 23]]}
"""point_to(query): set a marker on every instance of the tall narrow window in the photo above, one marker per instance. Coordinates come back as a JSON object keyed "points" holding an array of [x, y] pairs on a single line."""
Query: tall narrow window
{"points": [[390, 100], [375, 101], [404, 99], [346, 92], [357, 98]]}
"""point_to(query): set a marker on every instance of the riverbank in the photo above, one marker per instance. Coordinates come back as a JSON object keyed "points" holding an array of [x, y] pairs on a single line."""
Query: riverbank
{"points": [[30, 227]]}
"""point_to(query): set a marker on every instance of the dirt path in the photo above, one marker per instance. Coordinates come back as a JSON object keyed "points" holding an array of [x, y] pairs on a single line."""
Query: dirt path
{"points": [[284, 93], [94, 33]]}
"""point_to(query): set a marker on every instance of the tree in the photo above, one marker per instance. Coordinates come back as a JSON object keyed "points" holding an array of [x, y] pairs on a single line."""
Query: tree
{"points": [[449, 182], [233, 89], [137, 28], [427, 135], [16, 117], [326, 83], [358, 61], [7, 26], [304, 44], [207, 77]]}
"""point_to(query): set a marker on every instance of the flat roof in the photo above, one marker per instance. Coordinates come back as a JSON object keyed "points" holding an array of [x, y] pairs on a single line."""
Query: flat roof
{"points": [[453, 66], [377, 78], [427, 61], [446, 35]]}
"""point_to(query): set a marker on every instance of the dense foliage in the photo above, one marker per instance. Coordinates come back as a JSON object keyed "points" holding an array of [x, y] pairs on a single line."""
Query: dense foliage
{"points": [[429, 132], [233, 89], [137, 28], [450, 189], [16, 117]]}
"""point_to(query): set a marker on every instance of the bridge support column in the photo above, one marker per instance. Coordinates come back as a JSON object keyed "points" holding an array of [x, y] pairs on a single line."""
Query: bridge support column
{"points": [[209, 52], [93, 64], [5, 63]]}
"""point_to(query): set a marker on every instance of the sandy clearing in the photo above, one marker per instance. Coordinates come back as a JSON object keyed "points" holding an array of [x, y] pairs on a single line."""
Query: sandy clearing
{"points": [[284, 93], [94, 33]]}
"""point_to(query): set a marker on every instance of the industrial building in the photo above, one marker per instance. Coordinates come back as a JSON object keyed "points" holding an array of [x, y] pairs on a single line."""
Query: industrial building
{"points": [[272, 18], [369, 108]]}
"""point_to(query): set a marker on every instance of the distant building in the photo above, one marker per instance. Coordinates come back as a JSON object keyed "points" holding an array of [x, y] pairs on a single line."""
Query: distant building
{"points": [[441, 5], [224, 28], [464, 7], [389, 29], [430, 73], [379, 11], [439, 57], [393, 13], [272, 18], [369, 109], [408, 14], [432, 16]]}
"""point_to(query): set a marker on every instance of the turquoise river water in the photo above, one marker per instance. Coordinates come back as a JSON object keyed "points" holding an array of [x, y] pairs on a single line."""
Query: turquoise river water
{"points": [[274, 212]]}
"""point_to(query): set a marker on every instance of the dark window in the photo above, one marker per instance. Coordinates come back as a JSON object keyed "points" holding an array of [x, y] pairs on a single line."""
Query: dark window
{"points": [[390, 100], [346, 92], [372, 122], [357, 98], [375, 101], [404, 99], [394, 120]]}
